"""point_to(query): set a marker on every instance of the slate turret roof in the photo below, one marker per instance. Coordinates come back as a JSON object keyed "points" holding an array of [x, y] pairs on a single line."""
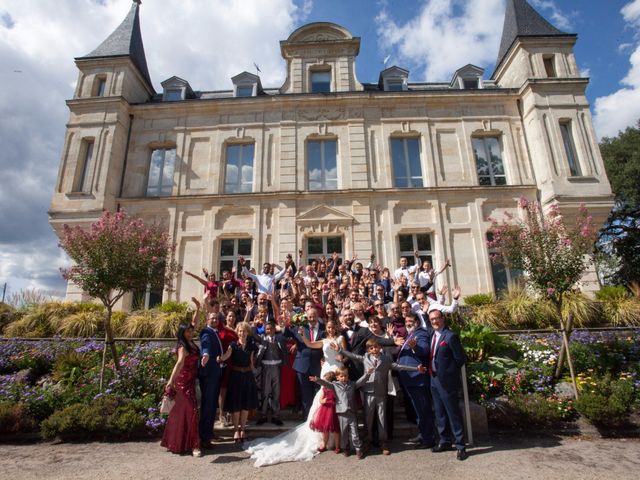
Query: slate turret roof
{"points": [[521, 20], [126, 40]]}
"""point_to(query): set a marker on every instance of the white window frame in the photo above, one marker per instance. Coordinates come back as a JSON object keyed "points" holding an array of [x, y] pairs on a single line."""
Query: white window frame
{"points": [[323, 162], [411, 177], [248, 86], [157, 190], [487, 153], [235, 256], [237, 187], [325, 250], [410, 254]]}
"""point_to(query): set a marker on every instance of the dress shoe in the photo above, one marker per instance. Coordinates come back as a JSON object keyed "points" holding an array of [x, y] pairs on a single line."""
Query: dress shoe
{"points": [[206, 446], [277, 421], [385, 450], [462, 454], [442, 447], [359, 454], [424, 446], [261, 421], [416, 439], [337, 450], [346, 453]]}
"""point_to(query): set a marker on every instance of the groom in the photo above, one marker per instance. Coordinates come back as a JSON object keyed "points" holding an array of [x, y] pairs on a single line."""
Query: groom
{"points": [[307, 361], [209, 373]]}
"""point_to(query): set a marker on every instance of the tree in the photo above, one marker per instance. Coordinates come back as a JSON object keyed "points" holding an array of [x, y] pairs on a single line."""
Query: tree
{"points": [[116, 255], [620, 237], [552, 255]]}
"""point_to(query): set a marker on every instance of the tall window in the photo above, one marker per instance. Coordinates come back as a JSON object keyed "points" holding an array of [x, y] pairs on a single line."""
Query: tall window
{"points": [[489, 161], [83, 183], [321, 81], [502, 274], [161, 168], [230, 250], [100, 87], [549, 65], [405, 155], [421, 242], [322, 167], [239, 172], [319, 246], [570, 149]]}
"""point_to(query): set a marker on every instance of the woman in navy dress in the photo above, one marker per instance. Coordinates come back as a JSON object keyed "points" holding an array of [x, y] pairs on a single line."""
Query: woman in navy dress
{"points": [[242, 391]]}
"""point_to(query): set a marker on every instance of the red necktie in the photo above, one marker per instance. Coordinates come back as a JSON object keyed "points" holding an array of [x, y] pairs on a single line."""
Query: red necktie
{"points": [[311, 334], [431, 354]]}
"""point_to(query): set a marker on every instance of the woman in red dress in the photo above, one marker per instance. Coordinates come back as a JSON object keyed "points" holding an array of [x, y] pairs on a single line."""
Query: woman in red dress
{"points": [[181, 432]]}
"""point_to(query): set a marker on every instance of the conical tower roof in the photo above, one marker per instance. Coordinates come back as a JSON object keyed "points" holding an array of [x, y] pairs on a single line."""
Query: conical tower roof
{"points": [[522, 20], [126, 41]]}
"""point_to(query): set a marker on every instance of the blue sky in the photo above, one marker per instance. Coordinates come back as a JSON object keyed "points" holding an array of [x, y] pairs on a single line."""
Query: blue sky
{"points": [[207, 42]]}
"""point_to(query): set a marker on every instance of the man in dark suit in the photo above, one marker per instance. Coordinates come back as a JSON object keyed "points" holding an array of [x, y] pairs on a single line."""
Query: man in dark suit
{"points": [[272, 353], [209, 373], [307, 361], [414, 351], [446, 357]]}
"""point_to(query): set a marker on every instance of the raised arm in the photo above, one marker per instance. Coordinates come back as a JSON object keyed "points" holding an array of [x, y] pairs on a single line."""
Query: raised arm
{"points": [[307, 342], [353, 356], [200, 279], [196, 315], [246, 271], [363, 379]]}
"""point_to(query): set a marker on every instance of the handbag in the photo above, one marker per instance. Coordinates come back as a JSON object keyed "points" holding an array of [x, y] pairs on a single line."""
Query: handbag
{"points": [[167, 404]]}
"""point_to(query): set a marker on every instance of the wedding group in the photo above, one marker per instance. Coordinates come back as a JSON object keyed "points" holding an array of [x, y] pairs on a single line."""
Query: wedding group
{"points": [[333, 337]]}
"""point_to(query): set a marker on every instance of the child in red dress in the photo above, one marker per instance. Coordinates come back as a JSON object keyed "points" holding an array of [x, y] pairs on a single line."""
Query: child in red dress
{"points": [[325, 420]]}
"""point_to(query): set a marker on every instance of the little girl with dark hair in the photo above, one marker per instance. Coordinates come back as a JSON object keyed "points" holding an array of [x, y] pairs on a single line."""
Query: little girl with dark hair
{"points": [[326, 419]]}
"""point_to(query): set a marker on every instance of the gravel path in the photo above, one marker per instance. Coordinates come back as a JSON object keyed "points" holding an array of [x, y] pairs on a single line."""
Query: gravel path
{"points": [[540, 457]]}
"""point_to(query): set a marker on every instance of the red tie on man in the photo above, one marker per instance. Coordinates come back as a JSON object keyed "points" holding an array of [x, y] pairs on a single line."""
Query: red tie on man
{"points": [[431, 354], [311, 336]]}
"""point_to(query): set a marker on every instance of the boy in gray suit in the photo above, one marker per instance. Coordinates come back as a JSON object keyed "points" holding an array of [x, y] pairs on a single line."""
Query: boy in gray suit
{"points": [[271, 355], [376, 387], [345, 390]]}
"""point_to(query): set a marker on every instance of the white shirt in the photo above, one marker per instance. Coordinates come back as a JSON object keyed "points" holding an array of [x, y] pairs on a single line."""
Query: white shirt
{"points": [[264, 281], [442, 307], [404, 272]]}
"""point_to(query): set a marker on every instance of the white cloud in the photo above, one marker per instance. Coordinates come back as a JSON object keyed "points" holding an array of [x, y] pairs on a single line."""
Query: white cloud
{"points": [[558, 18], [585, 72], [621, 109], [202, 41], [444, 36]]}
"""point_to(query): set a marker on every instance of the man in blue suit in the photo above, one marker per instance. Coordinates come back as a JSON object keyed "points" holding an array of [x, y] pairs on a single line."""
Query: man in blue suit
{"points": [[414, 351], [307, 361], [209, 373], [446, 357]]}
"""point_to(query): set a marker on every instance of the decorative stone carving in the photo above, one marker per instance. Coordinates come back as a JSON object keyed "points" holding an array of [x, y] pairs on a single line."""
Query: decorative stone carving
{"points": [[324, 219], [322, 114]]}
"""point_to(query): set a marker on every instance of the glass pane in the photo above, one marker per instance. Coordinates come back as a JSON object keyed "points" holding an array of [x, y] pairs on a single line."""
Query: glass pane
{"points": [[155, 167], [314, 165], [406, 243], [330, 170], [169, 167], [413, 150], [334, 244], [244, 246], [314, 246], [225, 265], [401, 182], [499, 277], [567, 138], [484, 180], [424, 241], [85, 180], [482, 165], [232, 170], [320, 82], [394, 86], [500, 180], [416, 182], [226, 248], [245, 91], [493, 146], [173, 95], [399, 165]]}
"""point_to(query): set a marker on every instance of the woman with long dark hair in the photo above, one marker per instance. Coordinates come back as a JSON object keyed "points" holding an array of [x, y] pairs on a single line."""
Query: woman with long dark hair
{"points": [[181, 432]]}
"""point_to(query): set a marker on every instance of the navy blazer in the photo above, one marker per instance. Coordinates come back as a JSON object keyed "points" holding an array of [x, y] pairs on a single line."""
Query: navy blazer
{"points": [[448, 360], [413, 358], [209, 343], [307, 359]]}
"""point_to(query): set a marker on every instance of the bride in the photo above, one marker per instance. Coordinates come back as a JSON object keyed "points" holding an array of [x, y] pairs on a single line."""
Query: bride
{"points": [[301, 443]]}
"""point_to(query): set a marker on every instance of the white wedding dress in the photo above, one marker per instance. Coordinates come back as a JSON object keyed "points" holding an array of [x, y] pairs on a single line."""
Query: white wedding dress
{"points": [[301, 443]]}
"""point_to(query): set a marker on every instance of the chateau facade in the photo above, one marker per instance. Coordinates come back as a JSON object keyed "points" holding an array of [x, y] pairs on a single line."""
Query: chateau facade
{"points": [[327, 163]]}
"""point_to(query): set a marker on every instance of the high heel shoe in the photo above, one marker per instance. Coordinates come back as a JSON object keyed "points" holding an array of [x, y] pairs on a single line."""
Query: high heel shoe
{"points": [[243, 436], [236, 436]]}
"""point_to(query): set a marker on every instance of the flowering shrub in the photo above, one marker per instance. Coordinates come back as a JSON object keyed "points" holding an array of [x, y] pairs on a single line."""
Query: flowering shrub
{"points": [[607, 401]]}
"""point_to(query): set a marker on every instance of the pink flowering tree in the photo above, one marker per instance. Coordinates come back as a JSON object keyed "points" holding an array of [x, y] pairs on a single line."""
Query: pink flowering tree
{"points": [[552, 254], [116, 255]]}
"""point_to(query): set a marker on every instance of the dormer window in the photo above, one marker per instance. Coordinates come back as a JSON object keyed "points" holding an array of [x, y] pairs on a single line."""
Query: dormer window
{"points": [[468, 77], [321, 81], [176, 89], [246, 84], [172, 95], [393, 79]]}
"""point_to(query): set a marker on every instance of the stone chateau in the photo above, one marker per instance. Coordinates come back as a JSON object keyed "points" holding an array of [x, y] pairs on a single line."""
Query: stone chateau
{"points": [[328, 163]]}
